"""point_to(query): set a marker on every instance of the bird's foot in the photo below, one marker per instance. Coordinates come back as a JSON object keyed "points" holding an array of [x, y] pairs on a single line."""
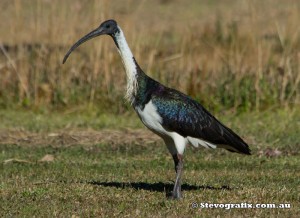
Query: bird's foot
{"points": [[174, 196]]}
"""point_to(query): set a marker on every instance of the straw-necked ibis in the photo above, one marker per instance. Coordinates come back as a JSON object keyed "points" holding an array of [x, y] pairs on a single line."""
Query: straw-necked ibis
{"points": [[174, 116]]}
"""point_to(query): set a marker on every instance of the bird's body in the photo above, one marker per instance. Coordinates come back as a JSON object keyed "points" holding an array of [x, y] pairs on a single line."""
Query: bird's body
{"points": [[174, 116]]}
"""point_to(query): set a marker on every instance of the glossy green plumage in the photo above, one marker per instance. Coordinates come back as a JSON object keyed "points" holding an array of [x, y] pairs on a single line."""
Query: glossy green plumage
{"points": [[185, 116]]}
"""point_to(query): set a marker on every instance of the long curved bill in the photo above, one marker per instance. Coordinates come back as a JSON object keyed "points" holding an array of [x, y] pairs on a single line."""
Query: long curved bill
{"points": [[93, 34]]}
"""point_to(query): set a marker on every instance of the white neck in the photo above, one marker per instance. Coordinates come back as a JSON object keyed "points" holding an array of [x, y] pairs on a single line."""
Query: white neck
{"points": [[129, 64]]}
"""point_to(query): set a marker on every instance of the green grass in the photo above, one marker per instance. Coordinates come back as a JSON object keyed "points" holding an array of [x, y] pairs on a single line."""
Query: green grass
{"points": [[41, 121], [133, 179]]}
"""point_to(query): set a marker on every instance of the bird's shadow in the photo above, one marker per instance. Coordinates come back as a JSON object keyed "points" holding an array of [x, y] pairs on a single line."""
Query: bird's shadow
{"points": [[155, 187]]}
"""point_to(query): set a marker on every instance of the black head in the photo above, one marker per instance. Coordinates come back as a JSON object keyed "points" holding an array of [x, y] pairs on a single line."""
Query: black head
{"points": [[109, 27]]}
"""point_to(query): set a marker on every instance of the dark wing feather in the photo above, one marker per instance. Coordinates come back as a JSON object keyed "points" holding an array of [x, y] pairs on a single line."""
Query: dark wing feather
{"points": [[187, 117]]}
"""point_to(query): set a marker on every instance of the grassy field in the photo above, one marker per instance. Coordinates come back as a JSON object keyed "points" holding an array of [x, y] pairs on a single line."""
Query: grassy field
{"points": [[228, 54], [71, 147], [96, 168]]}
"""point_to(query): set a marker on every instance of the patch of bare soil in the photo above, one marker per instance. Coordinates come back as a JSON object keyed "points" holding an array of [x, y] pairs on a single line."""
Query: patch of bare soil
{"points": [[77, 137]]}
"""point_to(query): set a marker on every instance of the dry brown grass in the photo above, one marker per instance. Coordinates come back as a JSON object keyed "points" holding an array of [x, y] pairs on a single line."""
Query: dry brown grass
{"points": [[78, 137], [237, 54]]}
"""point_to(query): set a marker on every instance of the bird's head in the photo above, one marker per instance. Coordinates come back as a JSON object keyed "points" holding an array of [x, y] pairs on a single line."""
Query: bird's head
{"points": [[109, 27]]}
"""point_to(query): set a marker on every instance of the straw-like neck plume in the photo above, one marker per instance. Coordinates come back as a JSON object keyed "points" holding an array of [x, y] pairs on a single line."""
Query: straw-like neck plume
{"points": [[129, 64]]}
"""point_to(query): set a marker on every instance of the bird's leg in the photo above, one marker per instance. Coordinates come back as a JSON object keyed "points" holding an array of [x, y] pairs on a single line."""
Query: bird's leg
{"points": [[178, 161]]}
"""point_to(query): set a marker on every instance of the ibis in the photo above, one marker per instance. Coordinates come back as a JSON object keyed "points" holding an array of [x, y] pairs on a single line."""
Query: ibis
{"points": [[175, 117]]}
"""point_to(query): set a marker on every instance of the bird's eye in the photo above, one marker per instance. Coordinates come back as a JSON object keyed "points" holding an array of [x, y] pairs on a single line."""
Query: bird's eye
{"points": [[107, 26]]}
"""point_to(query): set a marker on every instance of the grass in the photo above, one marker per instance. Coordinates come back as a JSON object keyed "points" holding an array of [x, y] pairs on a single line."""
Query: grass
{"points": [[57, 159], [242, 54], [132, 178], [105, 181], [41, 121]]}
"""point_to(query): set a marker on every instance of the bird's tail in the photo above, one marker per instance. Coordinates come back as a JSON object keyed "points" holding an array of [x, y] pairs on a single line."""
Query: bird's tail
{"points": [[234, 142]]}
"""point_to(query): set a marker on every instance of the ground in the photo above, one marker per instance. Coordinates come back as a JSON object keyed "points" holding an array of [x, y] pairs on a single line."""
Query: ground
{"points": [[80, 168]]}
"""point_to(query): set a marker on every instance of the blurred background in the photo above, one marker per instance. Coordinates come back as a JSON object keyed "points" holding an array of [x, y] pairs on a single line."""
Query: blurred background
{"points": [[239, 55]]}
